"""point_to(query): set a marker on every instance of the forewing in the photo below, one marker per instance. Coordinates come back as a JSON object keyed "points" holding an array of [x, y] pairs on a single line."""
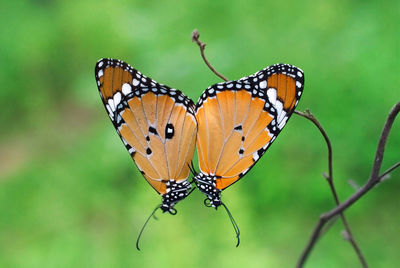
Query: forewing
{"points": [[156, 123]]}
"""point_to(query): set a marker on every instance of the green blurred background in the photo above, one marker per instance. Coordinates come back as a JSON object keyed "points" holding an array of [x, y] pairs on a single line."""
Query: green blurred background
{"points": [[70, 195]]}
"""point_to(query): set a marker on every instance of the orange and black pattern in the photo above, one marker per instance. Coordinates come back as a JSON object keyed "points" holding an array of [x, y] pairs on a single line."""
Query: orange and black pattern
{"points": [[156, 124], [238, 121]]}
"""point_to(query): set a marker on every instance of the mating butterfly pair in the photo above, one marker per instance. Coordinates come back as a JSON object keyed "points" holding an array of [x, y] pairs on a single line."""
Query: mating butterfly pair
{"points": [[233, 124]]}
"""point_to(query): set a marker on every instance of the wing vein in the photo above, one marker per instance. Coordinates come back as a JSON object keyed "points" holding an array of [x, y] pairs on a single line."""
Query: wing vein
{"points": [[147, 120], [208, 140], [187, 152], [165, 141], [223, 131], [180, 142]]}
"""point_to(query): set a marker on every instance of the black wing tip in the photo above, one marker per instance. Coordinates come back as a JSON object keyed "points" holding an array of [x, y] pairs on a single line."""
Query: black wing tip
{"points": [[105, 62], [100, 63], [283, 66], [295, 72]]}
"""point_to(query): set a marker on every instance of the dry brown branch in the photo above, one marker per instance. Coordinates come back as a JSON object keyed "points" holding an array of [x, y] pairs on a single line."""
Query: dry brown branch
{"points": [[202, 46], [374, 179]]}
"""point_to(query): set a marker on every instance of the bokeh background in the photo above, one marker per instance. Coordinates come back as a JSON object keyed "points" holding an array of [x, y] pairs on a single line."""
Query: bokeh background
{"points": [[70, 195]]}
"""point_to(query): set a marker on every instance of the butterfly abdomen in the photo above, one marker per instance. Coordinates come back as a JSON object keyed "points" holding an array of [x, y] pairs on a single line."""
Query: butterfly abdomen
{"points": [[207, 184], [175, 192]]}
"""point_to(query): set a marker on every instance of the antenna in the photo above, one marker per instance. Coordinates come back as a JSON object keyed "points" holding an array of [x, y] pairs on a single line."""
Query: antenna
{"points": [[235, 226], [144, 225]]}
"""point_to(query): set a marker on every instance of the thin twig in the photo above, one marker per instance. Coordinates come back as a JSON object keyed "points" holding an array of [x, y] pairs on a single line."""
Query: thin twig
{"points": [[202, 46], [349, 235], [372, 181], [389, 170]]}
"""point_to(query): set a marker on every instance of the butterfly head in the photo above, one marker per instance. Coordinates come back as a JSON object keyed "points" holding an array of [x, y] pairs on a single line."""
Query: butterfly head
{"points": [[208, 186], [176, 191]]}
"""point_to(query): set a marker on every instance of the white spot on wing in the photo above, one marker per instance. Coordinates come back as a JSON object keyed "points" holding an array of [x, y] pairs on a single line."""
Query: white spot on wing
{"points": [[100, 73], [135, 82], [279, 108], [283, 122], [281, 115], [111, 103], [117, 99], [255, 156], [299, 74], [263, 84], [126, 89], [271, 93], [298, 84]]}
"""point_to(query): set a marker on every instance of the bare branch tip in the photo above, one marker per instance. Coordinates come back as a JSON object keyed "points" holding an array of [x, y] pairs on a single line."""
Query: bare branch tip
{"points": [[386, 177], [345, 235], [195, 35], [195, 38], [354, 184]]}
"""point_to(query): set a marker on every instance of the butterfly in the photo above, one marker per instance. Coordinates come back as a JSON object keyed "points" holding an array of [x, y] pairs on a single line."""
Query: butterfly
{"points": [[238, 121], [232, 124], [156, 124]]}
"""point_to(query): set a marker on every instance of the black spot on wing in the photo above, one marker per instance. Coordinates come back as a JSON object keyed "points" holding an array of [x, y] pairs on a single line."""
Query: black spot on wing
{"points": [[238, 128], [152, 130], [169, 131]]}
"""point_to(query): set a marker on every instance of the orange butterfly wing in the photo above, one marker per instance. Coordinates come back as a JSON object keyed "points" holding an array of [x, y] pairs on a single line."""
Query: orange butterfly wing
{"points": [[156, 124], [238, 121]]}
